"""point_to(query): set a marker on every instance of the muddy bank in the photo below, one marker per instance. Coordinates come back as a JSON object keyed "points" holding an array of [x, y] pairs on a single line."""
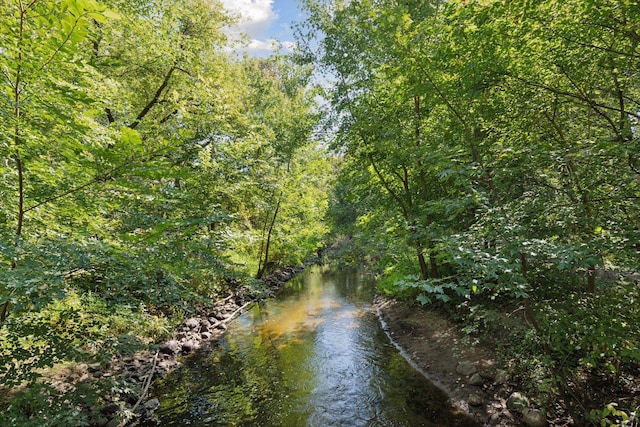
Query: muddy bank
{"points": [[468, 374], [207, 325]]}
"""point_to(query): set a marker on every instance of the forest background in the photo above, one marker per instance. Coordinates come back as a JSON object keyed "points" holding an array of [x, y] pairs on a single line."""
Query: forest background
{"points": [[483, 156]]}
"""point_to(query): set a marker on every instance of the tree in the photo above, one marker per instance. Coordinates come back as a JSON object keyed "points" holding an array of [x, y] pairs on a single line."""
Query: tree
{"points": [[262, 166], [41, 134], [135, 161], [501, 138]]}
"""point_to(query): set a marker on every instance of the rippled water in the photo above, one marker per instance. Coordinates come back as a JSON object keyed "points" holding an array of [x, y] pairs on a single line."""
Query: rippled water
{"points": [[314, 356]]}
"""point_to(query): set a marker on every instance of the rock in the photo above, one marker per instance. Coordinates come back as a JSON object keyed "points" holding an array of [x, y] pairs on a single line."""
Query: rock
{"points": [[181, 336], [189, 346], [165, 365], [192, 323], [494, 418], [62, 386], [115, 422], [475, 399], [502, 376], [81, 369], [534, 418], [466, 368], [152, 404], [94, 367], [102, 422], [219, 315], [140, 410], [170, 347], [517, 402], [111, 409], [476, 380], [206, 335]]}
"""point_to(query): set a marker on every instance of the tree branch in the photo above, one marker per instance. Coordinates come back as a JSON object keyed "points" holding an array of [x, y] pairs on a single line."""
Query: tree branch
{"points": [[99, 178], [596, 47], [95, 180], [386, 186], [592, 104], [579, 97], [155, 99], [64, 42], [110, 116], [168, 116]]}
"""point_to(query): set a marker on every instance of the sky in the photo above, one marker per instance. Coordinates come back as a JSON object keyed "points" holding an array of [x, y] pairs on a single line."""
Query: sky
{"points": [[266, 22]]}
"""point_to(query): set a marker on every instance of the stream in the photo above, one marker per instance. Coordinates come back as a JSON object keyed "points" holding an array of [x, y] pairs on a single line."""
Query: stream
{"points": [[316, 355]]}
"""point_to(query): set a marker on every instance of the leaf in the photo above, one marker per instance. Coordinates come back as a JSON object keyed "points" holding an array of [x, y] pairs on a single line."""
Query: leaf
{"points": [[131, 138], [423, 299]]}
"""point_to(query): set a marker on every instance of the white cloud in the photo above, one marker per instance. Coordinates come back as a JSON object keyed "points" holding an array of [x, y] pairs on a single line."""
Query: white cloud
{"points": [[259, 45], [289, 46], [257, 17], [270, 45]]}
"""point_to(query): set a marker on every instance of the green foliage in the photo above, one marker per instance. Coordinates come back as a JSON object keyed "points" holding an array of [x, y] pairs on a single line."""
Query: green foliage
{"points": [[131, 181], [39, 341], [43, 405], [610, 415], [584, 347], [577, 337], [399, 280], [76, 328], [494, 146]]}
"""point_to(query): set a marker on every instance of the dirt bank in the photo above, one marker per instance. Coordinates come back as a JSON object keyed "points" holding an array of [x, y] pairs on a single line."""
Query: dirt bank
{"points": [[468, 374]]}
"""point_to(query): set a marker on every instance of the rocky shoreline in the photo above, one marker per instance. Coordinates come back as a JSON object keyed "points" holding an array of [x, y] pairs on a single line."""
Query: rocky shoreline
{"points": [[206, 326], [468, 374]]}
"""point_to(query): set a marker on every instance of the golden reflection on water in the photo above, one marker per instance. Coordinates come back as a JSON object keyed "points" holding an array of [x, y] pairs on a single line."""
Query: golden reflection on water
{"points": [[290, 324], [304, 316]]}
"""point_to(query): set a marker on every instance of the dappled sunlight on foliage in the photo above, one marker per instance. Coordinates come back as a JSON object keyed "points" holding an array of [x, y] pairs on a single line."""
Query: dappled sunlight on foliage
{"points": [[135, 155], [491, 164]]}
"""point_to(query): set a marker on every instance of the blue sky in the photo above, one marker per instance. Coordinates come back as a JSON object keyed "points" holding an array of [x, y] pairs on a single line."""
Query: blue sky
{"points": [[265, 22]]}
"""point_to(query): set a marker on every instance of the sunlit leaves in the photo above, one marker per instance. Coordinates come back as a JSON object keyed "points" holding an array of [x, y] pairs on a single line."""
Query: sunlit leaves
{"points": [[136, 155], [503, 136]]}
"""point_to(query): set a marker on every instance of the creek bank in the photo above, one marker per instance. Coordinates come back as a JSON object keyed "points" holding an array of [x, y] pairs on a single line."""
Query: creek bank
{"points": [[468, 374], [207, 325]]}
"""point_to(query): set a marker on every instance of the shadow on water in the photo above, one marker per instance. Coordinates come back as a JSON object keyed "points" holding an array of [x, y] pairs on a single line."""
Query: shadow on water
{"points": [[314, 356]]}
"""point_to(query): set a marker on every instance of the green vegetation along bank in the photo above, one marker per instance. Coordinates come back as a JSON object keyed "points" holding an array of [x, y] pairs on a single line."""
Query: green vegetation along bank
{"points": [[145, 171], [491, 170]]}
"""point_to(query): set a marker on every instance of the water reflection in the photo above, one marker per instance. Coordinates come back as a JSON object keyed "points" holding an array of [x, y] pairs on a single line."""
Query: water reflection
{"points": [[315, 356]]}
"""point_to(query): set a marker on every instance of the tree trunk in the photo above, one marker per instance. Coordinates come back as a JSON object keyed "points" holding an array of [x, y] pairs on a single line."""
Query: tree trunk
{"points": [[591, 280], [423, 185], [434, 266], [17, 115], [424, 271], [262, 264], [20, 169], [529, 315], [3, 314]]}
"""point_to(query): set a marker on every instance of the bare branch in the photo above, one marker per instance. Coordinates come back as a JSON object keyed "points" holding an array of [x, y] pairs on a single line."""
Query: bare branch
{"points": [[64, 42], [155, 99]]}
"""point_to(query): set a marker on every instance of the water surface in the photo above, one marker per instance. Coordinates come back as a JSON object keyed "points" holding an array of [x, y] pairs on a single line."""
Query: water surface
{"points": [[314, 356]]}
